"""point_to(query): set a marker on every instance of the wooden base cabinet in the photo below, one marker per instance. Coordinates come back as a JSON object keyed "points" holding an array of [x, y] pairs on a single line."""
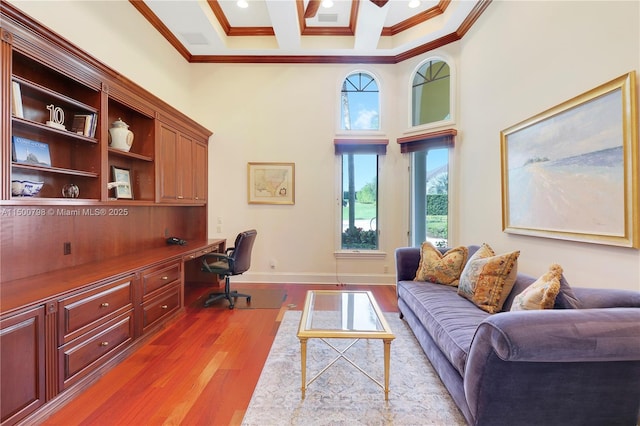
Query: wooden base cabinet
{"points": [[22, 357], [94, 326], [162, 294]]}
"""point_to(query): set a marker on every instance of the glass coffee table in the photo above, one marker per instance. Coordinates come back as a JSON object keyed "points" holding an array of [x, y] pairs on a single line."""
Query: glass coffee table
{"points": [[336, 314]]}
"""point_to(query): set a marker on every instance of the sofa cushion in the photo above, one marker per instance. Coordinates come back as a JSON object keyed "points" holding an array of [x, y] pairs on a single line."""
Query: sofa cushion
{"points": [[450, 320], [566, 299], [441, 268], [487, 279], [542, 293]]}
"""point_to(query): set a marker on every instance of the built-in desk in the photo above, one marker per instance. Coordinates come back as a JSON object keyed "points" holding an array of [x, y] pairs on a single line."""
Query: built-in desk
{"points": [[73, 324]]}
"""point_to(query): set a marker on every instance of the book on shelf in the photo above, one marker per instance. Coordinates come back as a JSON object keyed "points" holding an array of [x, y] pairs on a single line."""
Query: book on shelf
{"points": [[27, 151], [16, 100], [84, 124]]}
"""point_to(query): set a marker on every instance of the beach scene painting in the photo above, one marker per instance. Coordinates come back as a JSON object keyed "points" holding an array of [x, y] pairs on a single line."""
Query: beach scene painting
{"points": [[571, 173]]}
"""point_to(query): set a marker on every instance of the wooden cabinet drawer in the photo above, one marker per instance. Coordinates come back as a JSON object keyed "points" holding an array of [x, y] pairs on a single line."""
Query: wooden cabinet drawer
{"points": [[80, 356], [157, 308], [153, 280], [83, 311], [199, 253]]}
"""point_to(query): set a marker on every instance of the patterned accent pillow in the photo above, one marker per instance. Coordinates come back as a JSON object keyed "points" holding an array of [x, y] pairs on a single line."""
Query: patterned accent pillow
{"points": [[542, 293], [438, 268], [487, 279]]}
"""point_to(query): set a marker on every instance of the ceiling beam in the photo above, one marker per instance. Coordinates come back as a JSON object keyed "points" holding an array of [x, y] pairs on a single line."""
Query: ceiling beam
{"points": [[370, 24], [284, 19], [312, 8]]}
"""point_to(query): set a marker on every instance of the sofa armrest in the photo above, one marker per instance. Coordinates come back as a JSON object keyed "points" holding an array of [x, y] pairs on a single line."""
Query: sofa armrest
{"points": [[563, 335], [407, 261], [529, 361]]}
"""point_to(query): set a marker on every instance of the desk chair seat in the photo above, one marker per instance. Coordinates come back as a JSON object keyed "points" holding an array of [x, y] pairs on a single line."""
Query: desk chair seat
{"points": [[235, 261]]}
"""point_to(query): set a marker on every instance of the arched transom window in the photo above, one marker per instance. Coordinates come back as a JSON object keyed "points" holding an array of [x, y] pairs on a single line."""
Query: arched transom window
{"points": [[359, 103], [431, 93]]}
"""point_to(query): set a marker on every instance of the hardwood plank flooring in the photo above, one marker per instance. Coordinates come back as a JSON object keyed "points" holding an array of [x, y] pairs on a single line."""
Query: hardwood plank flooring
{"points": [[201, 370]]}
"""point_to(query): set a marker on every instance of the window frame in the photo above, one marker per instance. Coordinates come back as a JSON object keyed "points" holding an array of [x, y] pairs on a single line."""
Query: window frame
{"points": [[345, 146], [425, 142], [358, 132], [452, 95]]}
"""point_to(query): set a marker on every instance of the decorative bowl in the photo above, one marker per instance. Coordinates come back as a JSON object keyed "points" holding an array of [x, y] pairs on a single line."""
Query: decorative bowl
{"points": [[25, 188]]}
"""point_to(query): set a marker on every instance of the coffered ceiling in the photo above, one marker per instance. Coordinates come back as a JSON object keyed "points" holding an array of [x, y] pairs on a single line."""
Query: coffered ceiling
{"points": [[307, 31]]}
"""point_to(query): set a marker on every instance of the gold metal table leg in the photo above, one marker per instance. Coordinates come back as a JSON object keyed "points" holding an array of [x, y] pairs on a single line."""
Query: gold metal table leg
{"points": [[303, 361], [387, 359]]}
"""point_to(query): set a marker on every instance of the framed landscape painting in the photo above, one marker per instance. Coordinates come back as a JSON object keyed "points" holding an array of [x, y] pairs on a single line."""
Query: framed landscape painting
{"points": [[571, 172], [271, 183]]}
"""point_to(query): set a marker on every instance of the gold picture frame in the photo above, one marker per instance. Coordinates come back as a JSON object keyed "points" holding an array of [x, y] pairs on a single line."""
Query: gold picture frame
{"points": [[271, 183], [571, 172]]}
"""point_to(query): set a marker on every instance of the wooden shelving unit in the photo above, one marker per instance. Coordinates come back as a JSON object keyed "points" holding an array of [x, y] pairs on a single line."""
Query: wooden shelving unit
{"points": [[94, 246]]}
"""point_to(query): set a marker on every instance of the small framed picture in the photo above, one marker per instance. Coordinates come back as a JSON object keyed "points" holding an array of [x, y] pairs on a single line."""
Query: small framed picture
{"points": [[122, 182], [271, 183]]}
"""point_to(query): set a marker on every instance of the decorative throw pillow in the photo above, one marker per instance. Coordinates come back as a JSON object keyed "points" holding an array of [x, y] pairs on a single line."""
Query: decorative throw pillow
{"points": [[487, 279], [542, 293], [438, 268], [566, 299]]}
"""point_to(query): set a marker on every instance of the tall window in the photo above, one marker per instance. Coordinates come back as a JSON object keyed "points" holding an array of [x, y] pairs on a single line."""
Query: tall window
{"points": [[430, 195], [359, 110], [359, 103], [359, 201], [429, 185], [431, 93]]}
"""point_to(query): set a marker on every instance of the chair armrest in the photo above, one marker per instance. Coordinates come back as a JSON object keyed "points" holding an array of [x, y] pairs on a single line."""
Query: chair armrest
{"points": [[216, 257]]}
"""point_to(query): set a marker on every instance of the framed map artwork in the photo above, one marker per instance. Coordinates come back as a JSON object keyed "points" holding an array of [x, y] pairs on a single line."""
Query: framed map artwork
{"points": [[271, 183]]}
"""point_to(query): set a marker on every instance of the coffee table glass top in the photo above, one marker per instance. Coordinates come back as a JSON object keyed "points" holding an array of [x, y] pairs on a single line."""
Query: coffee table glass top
{"points": [[336, 313]]}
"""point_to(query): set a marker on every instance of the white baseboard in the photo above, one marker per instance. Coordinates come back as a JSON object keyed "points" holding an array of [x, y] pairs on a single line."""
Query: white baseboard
{"points": [[314, 278]]}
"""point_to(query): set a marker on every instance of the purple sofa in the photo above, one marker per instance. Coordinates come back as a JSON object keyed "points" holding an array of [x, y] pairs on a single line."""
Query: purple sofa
{"points": [[546, 367]]}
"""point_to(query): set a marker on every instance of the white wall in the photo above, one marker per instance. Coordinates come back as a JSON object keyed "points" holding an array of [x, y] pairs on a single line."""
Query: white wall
{"points": [[117, 35], [519, 59], [277, 113]]}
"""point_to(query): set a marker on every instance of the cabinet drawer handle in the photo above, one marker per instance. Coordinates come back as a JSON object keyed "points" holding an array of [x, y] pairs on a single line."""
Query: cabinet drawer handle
{"points": [[104, 343], [165, 278], [104, 305], [164, 306]]}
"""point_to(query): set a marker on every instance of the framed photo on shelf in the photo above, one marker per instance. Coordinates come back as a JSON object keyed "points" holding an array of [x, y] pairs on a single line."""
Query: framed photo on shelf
{"points": [[271, 183], [571, 172], [27, 151], [122, 183]]}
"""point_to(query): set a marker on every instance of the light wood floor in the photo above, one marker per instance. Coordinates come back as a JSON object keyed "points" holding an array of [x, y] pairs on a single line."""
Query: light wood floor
{"points": [[201, 370]]}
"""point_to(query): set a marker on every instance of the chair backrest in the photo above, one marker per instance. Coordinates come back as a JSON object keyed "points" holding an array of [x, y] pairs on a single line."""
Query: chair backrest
{"points": [[241, 253]]}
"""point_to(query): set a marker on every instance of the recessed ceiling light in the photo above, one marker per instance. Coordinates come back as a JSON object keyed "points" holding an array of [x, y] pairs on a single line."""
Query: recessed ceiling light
{"points": [[414, 3], [243, 4], [327, 3]]}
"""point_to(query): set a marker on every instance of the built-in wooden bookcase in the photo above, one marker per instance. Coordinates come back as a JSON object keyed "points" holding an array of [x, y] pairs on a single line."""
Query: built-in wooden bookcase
{"points": [[98, 248], [140, 159], [41, 94]]}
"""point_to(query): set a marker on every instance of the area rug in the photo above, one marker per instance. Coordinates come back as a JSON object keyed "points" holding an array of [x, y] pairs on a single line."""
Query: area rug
{"points": [[344, 396], [260, 299]]}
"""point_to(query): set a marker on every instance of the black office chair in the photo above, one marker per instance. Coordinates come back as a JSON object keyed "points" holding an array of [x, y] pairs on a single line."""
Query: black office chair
{"points": [[235, 261]]}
